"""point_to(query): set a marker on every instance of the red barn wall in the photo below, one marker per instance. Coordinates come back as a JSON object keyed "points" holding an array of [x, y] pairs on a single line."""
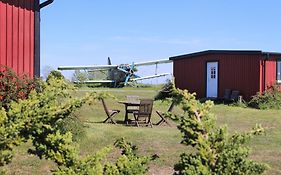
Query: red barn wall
{"points": [[17, 35], [270, 75], [190, 74], [236, 72]]}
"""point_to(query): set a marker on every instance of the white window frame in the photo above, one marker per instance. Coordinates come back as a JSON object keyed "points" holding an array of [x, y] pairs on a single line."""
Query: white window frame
{"points": [[278, 71]]}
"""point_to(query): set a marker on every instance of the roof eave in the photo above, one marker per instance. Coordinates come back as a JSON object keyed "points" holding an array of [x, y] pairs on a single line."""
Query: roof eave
{"points": [[272, 53], [248, 52]]}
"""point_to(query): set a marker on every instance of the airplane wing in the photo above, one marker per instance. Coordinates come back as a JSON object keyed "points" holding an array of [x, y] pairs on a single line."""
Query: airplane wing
{"points": [[106, 67], [146, 63], [94, 67], [149, 77]]}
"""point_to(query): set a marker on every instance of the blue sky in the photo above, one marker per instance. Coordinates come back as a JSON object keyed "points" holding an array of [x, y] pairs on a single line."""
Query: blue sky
{"points": [[86, 32]]}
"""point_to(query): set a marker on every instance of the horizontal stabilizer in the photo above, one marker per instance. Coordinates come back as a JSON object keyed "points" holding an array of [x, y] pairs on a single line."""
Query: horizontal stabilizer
{"points": [[147, 63], [149, 77]]}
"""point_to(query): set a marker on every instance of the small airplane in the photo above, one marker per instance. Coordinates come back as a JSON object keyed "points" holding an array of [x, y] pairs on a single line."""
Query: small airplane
{"points": [[120, 74]]}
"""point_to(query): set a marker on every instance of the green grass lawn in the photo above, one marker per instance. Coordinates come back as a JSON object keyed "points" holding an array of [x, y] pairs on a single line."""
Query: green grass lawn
{"points": [[161, 140]]}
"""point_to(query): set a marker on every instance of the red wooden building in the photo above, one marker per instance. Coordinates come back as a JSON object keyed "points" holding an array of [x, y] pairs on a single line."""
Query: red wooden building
{"points": [[20, 35], [209, 73]]}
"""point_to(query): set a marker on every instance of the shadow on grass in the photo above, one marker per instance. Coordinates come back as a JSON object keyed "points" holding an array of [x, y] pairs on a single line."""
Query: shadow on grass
{"points": [[119, 122]]}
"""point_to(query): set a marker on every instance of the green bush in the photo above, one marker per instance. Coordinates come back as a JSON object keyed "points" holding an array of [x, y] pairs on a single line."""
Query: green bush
{"points": [[129, 163], [269, 99], [216, 153], [74, 125], [166, 91], [55, 74], [44, 118]]}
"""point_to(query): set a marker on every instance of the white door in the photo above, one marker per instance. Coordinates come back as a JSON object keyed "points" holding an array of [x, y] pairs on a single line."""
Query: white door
{"points": [[212, 79]]}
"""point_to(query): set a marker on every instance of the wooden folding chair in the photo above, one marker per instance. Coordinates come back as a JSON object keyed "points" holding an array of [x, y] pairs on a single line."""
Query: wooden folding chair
{"points": [[109, 112], [231, 96], [234, 95], [227, 93], [143, 115], [162, 117], [132, 98]]}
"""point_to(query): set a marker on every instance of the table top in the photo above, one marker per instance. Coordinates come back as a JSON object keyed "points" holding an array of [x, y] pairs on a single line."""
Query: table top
{"points": [[130, 102]]}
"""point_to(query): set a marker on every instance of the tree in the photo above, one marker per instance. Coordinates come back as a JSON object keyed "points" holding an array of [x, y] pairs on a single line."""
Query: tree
{"points": [[46, 70], [79, 77], [38, 118], [216, 153], [55, 74]]}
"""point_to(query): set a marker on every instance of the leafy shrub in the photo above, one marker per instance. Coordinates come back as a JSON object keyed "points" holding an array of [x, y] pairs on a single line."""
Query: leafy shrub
{"points": [[269, 99], [8, 137], [129, 163], [40, 117], [79, 77], [166, 91], [14, 87], [55, 74], [37, 118], [74, 125], [216, 152]]}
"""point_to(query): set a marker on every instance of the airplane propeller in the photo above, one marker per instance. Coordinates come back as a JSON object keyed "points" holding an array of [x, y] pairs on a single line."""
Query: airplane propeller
{"points": [[129, 71]]}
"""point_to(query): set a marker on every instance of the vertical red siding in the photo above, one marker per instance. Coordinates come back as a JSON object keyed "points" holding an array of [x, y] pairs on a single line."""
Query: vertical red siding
{"points": [[236, 72], [190, 74], [270, 78], [17, 35], [261, 76], [3, 33]]}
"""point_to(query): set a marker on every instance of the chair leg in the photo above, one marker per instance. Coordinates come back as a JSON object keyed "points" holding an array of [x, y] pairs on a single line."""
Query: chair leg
{"points": [[110, 118], [137, 123], [150, 124], [114, 122], [136, 120], [166, 121], [105, 120], [162, 120], [161, 117]]}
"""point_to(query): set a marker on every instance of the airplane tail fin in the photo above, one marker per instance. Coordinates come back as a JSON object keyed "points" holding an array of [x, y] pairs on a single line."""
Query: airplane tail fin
{"points": [[108, 61], [110, 74]]}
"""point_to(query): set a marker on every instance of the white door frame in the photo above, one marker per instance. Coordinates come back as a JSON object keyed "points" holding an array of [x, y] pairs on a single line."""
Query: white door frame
{"points": [[212, 77]]}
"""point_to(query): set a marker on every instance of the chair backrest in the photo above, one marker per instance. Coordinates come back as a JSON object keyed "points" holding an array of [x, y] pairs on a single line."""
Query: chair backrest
{"points": [[234, 95], [145, 108], [227, 93], [132, 98], [105, 107]]}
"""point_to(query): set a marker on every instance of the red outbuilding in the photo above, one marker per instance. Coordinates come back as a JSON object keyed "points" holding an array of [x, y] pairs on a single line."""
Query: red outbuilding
{"points": [[209, 73], [20, 35]]}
